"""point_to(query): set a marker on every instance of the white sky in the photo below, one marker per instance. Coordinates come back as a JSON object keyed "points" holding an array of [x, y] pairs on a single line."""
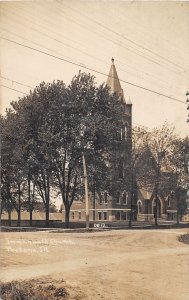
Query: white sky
{"points": [[90, 33]]}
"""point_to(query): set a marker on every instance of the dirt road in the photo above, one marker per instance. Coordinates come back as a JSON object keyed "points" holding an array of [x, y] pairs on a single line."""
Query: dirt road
{"points": [[128, 265]]}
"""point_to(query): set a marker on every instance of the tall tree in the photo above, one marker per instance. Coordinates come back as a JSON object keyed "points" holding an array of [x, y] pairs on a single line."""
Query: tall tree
{"points": [[13, 168], [157, 161], [59, 125]]}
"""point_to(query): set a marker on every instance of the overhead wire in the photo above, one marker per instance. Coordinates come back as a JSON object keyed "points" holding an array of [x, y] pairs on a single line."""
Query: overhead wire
{"points": [[90, 69], [153, 82], [125, 38], [113, 41], [15, 90], [121, 69], [33, 42], [146, 33], [17, 82], [7, 87], [130, 48]]}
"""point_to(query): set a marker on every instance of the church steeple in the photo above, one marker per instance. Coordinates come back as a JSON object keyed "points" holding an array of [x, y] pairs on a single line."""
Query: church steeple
{"points": [[113, 81]]}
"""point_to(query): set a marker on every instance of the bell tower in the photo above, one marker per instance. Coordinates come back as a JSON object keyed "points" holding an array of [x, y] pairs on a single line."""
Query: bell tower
{"points": [[121, 168], [115, 87]]}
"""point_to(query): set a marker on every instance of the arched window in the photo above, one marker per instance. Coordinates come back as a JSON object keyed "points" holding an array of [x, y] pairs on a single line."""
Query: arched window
{"points": [[139, 205], [105, 197], [121, 169], [124, 197], [118, 198], [125, 131], [100, 198], [169, 201]]}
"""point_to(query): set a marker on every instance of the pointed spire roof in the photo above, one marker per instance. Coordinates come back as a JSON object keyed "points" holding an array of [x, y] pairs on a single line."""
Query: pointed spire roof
{"points": [[113, 81], [129, 101]]}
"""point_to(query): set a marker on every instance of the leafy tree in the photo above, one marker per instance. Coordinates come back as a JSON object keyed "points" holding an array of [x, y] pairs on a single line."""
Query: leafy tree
{"points": [[56, 125], [89, 122], [181, 177], [13, 170]]}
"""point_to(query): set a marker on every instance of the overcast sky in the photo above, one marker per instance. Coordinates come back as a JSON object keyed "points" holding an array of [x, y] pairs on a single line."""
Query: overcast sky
{"points": [[148, 40]]}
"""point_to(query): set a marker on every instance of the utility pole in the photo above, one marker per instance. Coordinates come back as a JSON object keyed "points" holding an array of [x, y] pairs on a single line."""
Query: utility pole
{"points": [[86, 191], [161, 155], [187, 100], [187, 155]]}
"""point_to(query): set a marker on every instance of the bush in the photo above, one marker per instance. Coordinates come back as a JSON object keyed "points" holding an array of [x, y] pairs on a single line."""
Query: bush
{"points": [[31, 291], [184, 238]]}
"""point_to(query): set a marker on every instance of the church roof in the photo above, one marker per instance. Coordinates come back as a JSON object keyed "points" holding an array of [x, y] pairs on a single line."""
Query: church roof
{"points": [[146, 194], [113, 81]]}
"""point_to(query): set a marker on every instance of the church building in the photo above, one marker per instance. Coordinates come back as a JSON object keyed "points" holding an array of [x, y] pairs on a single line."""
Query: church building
{"points": [[126, 196], [116, 206]]}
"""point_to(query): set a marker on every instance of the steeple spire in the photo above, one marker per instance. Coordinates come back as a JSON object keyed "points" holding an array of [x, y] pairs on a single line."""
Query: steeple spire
{"points": [[113, 81]]}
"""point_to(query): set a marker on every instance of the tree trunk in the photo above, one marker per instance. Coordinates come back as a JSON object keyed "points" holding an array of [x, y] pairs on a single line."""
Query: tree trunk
{"points": [[9, 214], [31, 217], [18, 221], [47, 202], [47, 215], [177, 217], [131, 213], [29, 200], [132, 198], [156, 211], [19, 205], [156, 201], [94, 203], [130, 218], [177, 195], [67, 216]]}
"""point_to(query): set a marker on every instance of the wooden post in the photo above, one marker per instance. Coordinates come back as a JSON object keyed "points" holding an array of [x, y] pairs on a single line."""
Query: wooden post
{"points": [[86, 192]]}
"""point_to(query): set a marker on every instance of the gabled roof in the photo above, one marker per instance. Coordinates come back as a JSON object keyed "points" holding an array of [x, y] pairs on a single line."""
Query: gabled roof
{"points": [[146, 194]]}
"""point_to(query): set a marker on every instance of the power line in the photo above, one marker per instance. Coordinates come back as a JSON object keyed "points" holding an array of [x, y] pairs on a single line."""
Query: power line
{"points": [[133, 51], [133, 74], [125, 38], [26, 94], [123, 70], [16, 82], [40, 45], [145, 32], [12, 89], [90, 69], [55, 39]]}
